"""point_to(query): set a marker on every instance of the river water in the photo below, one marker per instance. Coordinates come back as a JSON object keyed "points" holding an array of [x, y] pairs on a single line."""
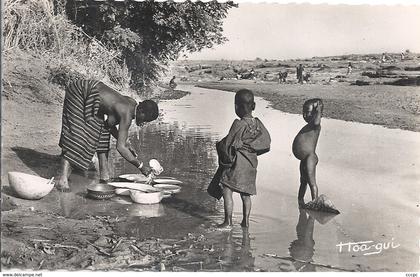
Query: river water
{"points": [[371, 173]]}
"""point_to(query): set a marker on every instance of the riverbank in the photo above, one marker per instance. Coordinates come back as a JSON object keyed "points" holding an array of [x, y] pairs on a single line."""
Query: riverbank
{"points": [[80, 242], [396, 107], [36, 236], [37, 239], [31, 107]]}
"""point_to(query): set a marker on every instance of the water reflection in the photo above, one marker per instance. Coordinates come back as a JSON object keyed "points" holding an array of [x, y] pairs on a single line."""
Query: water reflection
{"points": [[302, 249], [67, 204], [138, 210], [237, 254], [187, 155], [184, 154], [321, 217]]}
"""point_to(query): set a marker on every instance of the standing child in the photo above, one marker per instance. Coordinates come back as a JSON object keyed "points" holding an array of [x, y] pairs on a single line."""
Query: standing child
{"points": [[304, 146], [238, 151]]}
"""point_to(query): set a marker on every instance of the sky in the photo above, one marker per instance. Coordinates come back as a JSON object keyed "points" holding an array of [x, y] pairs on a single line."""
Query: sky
{"points": [[273, 30]]}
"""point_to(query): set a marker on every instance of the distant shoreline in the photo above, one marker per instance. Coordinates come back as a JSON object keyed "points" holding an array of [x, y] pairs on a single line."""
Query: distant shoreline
{"points": [[388, 106]]}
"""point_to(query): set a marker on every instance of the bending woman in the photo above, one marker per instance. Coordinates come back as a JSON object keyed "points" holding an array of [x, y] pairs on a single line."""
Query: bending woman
{"points": [[91, 113]]}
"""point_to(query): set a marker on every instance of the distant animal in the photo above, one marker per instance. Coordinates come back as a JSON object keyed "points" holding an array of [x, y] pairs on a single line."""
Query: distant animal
{"points": [[282, 77], [248, 75], [265, 76], [307, 77]]}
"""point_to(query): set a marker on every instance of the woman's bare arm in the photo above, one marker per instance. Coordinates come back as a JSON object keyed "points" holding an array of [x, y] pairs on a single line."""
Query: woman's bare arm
{"points": [[123, 146], [114, 132]]}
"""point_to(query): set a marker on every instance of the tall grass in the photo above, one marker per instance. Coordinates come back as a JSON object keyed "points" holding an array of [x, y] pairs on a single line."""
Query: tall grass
{"points": [[32, 26]]}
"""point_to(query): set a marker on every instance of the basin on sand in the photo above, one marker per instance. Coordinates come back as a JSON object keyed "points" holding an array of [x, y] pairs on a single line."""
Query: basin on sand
{"points": [[29, 186]]}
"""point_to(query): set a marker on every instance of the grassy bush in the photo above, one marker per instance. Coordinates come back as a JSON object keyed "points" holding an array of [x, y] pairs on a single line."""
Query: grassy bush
{"points": [[32, 26]]}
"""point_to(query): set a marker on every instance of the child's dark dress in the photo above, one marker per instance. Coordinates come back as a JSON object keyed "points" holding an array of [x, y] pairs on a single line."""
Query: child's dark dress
{"points": [[237, 153]]}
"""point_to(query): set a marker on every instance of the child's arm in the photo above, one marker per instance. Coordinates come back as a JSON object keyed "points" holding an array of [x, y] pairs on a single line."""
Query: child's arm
{"points": [[318, 107], [226, 148]]}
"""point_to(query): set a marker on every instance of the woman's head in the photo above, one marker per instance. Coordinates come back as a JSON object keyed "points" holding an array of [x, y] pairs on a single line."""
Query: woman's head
{"points": [[244, 102], [146, 111]]}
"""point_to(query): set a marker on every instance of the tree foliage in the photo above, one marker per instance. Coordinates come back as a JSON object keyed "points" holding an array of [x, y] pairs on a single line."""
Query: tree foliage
{"points": [[150, 33]]}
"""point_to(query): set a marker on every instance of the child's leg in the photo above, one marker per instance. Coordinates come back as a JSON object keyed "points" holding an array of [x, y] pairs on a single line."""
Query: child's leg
{"points": [[310, 166], [246, 208], [303, 183], [228, 203]]}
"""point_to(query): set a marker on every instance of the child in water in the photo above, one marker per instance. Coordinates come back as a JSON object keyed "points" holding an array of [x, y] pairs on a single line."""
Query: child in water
{"points": [[304, 146], [238, 151]]}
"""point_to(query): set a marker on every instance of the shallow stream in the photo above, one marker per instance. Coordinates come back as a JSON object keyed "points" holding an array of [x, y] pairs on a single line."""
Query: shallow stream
{"points": [[371, 173]]}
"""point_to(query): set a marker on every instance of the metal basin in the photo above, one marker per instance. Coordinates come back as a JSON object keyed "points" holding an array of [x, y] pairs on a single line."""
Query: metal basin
{"points": [[100, 191]]}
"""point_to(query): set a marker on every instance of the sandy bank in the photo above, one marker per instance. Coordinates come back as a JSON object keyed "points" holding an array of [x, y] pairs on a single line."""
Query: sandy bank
{"points": [[389, 106]]}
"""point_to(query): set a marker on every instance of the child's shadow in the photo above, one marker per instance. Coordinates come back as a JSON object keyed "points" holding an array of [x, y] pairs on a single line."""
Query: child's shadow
{"points": [[43, 164], [185, 206]]}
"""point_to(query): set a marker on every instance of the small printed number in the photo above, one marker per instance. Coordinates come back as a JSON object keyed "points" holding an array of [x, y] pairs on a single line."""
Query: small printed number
{"points": [[411, 275]]}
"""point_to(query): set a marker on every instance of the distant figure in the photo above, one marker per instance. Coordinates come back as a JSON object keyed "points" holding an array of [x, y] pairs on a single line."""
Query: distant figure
{"points": [[402, 56], [282, 77], [172, 83], [238, 76], [299, 73], [349, 68], [238, 151], [252, 76], [383, 57], [304, 146]]}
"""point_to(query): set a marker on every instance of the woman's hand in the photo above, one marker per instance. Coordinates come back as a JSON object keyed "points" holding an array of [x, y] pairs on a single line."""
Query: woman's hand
{"points": [[145, 170]]}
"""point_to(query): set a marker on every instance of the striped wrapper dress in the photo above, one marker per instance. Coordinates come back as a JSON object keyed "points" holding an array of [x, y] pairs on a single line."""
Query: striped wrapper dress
{"points": [[82, 133]]}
